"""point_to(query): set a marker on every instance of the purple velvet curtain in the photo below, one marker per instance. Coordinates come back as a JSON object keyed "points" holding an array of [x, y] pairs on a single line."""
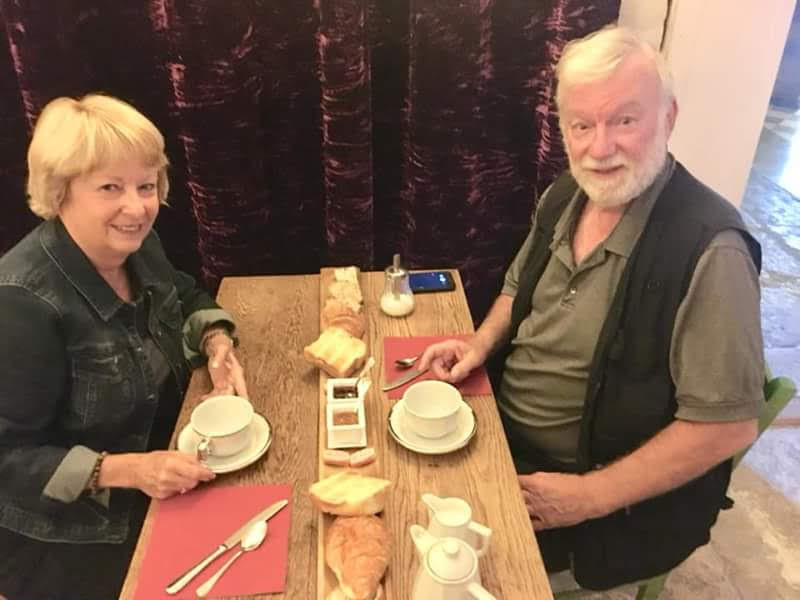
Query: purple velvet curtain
{"points": [[318, 132]]}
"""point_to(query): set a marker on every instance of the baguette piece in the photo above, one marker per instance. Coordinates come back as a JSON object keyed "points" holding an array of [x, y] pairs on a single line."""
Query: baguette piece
{"points": [[336, 352], [337, 458], [363, 457], [357, 551], [349, 493]]}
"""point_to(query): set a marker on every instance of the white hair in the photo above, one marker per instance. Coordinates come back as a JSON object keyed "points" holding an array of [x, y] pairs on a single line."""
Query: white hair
{"points": [[598, 56]]}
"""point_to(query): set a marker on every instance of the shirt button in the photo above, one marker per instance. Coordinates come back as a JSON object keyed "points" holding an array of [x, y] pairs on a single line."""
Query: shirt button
{"points": [[159, 332], [572, 291], [139, 349]]}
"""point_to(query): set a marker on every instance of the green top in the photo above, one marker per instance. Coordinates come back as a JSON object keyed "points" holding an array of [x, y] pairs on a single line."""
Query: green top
{"points": [[544, 383]]}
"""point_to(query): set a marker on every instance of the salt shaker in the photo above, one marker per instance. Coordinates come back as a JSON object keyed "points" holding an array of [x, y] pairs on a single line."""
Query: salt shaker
{"points": [[397, 299]]}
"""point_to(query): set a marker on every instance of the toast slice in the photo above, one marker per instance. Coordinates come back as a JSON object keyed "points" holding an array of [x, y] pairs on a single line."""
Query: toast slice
{"points": [[336, 352], [348, 493]]}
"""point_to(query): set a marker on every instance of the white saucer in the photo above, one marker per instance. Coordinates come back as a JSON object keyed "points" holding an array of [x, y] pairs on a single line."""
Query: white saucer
{"points": [[464, 432], [260, 440]]}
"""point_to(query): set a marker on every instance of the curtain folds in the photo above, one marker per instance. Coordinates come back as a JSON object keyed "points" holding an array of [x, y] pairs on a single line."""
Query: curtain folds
{"points": [[317, 132]]}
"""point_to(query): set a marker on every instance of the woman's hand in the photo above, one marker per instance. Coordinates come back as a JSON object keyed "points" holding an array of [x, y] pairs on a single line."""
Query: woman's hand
{"points": [[164, 473], [159, 474], [227, 375]]}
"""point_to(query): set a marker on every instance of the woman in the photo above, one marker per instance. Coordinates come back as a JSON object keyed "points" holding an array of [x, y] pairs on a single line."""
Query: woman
{"points": [[98, 335]]}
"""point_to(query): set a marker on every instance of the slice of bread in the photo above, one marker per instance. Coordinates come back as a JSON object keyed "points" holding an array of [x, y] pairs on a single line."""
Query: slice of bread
{"points": [[346, 274], [348, 292], [348, 493], [336, 352]]}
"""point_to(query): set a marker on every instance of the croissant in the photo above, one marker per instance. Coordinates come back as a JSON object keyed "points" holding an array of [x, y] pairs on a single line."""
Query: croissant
{"points": [[357, 551]]}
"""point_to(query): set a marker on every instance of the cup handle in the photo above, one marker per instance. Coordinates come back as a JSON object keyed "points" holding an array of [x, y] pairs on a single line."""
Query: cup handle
{"points": [[484, 534], [204, 449]]}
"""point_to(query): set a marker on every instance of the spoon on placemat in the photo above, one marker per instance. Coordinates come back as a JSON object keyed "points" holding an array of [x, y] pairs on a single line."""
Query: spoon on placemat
{"points": [[251, 540], [406, 363]]}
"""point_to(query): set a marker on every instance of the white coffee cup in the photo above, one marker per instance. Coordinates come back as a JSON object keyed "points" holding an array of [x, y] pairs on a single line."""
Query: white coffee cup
{"points": [[431, 408], [223, 425], [452, 517]]}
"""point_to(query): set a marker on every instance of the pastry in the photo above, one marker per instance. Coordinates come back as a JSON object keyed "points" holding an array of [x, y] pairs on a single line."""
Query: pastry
{"points": [[357, 551]]}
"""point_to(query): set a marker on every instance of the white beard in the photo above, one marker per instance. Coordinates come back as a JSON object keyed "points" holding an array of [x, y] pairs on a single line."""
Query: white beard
{"points": [[634, 177]]}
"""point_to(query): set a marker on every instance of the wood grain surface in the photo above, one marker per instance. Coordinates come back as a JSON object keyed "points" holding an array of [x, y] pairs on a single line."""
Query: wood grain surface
{"points": [[482, 473], [276, 317]]}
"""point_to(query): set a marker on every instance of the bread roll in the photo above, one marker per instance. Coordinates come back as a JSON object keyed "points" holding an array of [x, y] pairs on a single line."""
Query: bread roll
{"points": [[357, 550], [336, 313], [336, 352], [348, 493]]}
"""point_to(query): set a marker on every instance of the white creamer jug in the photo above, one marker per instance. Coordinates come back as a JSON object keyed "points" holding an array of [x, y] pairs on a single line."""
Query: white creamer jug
{"points": [[452, 517]]}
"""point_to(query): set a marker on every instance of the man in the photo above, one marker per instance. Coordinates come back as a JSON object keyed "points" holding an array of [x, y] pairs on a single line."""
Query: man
{"points": [[627, 329]]}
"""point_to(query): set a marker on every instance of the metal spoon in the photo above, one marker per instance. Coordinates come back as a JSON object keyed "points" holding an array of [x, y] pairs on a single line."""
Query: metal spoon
{"points": [[405, 363], [367, 366], [251, 540]]}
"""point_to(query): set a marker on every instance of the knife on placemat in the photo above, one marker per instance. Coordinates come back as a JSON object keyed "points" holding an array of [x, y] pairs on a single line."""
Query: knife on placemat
{"points": [[403, 379], [233, 539]]}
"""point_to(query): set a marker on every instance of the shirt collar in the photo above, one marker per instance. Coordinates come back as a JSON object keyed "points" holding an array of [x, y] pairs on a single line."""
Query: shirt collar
{"points": [[625, 235], [82, 274]]}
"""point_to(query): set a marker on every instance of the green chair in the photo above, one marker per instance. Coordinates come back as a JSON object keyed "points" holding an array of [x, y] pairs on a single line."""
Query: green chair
{"points": [[777, 392]]}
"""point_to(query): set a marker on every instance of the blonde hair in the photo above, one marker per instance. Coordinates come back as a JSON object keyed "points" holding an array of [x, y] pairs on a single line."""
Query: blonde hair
{"points": [[598, 55], [74, 137]]}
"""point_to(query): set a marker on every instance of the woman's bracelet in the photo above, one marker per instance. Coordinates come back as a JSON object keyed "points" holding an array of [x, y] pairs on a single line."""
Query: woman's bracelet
{"points": [[95, 476]]}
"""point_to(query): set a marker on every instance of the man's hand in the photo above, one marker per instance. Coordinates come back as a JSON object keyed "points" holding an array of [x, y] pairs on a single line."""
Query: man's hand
{"points": [[557, 499], [452, 360]]}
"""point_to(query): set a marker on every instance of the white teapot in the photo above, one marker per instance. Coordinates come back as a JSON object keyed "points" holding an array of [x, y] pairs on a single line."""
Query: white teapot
{"points": [[452, 517], [448, 569]]}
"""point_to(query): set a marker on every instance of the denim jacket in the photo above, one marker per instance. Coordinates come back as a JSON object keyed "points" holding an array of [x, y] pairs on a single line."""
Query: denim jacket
{"points": [[74, 378]]}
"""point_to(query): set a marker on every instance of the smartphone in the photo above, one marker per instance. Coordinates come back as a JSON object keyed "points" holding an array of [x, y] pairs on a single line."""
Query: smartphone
{"points": [[431, 281]]}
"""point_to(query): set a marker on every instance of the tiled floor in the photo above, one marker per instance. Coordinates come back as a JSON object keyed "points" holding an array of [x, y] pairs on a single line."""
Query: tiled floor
{"points": [[755, 547]]}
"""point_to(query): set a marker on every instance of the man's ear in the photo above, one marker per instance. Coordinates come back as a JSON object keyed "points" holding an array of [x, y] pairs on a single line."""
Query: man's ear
{"points": [[672, 115]]}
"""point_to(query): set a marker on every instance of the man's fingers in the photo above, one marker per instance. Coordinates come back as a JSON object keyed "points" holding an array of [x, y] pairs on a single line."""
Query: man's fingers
{"points": [[439, 369]]}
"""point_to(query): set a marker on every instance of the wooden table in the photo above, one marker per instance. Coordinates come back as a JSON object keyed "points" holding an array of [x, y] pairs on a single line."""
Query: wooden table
{"points": [[278, 316]]}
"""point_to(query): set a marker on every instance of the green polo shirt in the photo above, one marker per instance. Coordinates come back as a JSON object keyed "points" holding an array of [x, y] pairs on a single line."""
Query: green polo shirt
{"points": [[716, 356]]}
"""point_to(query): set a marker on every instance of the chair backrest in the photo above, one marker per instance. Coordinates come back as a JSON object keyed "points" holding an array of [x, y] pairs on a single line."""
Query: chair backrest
{"points": [[777, 392]]}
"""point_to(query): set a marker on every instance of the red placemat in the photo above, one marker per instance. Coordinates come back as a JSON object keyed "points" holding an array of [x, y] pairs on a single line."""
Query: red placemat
{"points": [[476, 384], [189, 527]]}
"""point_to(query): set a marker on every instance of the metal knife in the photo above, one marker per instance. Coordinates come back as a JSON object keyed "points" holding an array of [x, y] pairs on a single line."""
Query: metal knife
{"points": [[403, 379], [233, 539]]}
